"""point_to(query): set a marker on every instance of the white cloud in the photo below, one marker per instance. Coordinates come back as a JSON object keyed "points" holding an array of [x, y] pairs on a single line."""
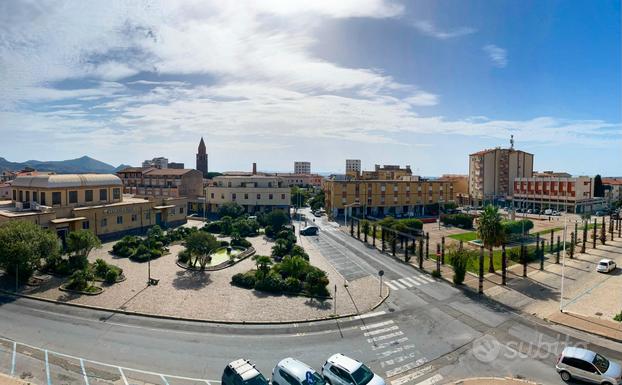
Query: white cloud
{"points": [[498, 55], [423, 99], [428, 28]]}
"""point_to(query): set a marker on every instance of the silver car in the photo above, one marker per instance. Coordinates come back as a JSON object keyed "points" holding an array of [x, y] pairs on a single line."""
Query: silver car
{"points": [[343, 370], [586, 365]]}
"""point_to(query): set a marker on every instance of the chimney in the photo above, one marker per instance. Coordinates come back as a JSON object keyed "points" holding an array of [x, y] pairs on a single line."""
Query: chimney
{"points": [[254, 168]]}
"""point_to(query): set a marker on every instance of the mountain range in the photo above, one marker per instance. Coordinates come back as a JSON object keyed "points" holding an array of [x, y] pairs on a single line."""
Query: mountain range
{"points": [[81, 165]]}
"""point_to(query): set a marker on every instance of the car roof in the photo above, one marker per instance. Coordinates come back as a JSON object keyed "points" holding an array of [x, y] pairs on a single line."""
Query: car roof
{"points": [[296, 368], [345, 362], [244, 369], [607, 260], [584, 354]]}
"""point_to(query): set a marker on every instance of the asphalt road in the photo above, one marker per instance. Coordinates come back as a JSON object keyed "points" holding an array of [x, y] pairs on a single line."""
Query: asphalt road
{"points": [[426, 332]]}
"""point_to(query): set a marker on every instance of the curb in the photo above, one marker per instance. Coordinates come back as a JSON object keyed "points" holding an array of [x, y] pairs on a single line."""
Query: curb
{"points": [[515, 380], [618, 340], [195, 320]]}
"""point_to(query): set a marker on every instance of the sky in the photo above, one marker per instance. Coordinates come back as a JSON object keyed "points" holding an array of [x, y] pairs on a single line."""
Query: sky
{"points": [[420, 83]]}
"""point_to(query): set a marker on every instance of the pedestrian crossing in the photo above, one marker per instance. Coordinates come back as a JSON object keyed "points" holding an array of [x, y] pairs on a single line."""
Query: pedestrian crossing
{"points": [[402, 361], [408, 282]]}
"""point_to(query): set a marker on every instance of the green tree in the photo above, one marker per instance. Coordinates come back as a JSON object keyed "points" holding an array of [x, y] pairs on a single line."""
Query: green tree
{"points": [[23, 245], [276, 219], [490, 231], [263, 264], [199, 245], [299, 197], [599, 188], [230, 209], [80, 243], [293, 266], [281, 248], [317, 201]]}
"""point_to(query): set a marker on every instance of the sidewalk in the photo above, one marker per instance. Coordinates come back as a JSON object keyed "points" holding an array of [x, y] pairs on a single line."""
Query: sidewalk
{"points": [[492, 381], [6, 380], [604, 328]]}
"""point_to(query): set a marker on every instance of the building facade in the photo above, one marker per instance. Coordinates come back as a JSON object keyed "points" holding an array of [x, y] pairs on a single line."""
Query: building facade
{"points": [[174, 183], [377, 198], [302, 167], [202, 158], [300, 180], [94, 202], [175, 165], [160, 162], [492, 172], [574, 194], [255, 193], [386, 172], [353, 166], [461, 187]]}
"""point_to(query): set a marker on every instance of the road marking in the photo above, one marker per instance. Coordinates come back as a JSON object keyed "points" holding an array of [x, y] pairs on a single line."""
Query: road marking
{"points": [[432, 380], [391, 352], [47, 368], [398, 360], [411, 376], [389, 343], [414, 281], [123, 376], [399, 285], [13, 359], [377, 325], [405, 282], [164, 379], [86, 379], [425, 278], [407, 367], [385, 337], [380, 331], [369, 315], [392, 286]]}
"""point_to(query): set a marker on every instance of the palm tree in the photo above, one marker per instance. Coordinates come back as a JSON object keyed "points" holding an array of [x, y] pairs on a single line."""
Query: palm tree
{"points": [[293, 266], [263, 264], [490, 231]]}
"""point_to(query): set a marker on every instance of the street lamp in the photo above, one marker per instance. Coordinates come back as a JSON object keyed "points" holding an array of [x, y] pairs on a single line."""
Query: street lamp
{"points": [[561, 298]]}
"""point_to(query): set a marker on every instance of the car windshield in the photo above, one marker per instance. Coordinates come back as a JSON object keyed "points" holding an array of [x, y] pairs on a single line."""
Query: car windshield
{"points": [[603, 263], [362, 375], [317, 380], [257, 380], [601, 363]]}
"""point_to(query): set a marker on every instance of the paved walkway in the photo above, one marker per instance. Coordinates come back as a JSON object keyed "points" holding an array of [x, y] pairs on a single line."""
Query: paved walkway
{"points": [[601, 327], [492, 381]]}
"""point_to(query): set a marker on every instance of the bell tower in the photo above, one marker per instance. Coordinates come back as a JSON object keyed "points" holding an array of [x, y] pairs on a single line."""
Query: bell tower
{"points": [[202, 158]]}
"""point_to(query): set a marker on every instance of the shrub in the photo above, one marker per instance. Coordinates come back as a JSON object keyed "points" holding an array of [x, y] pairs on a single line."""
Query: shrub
{"points": [[514, 228], [292, 285], [223, 244], [183, 256], [101, 267], [436, 273], [459, 260], [111, 276], [143, 254], [272, 283], [230, 209], [298, 250], [464, 221], [618, 317], [240, 242], [212, 227], [316, 282], [80, 280], [245, 280], [269, 231]]}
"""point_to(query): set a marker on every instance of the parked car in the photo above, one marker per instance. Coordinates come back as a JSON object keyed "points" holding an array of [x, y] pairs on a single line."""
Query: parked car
{"points": [[309, 230], [548, 212], [290, 371], [530, 211], [605, 266], [242, 372], [317, 213], [587, 365], [343, 370]]}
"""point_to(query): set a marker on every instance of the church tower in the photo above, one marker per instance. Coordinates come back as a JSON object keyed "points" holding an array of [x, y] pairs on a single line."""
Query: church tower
{"points": [[202, 158]]}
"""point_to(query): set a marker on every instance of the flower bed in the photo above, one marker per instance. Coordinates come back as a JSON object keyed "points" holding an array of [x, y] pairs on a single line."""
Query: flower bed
{"points": [[242, 255]]}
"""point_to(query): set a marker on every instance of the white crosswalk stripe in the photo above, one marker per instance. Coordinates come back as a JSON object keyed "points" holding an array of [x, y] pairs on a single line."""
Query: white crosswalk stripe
{"points": [[385, 337], [377, 325], [398, 284], [385, 345], [392, 286], [390, 352], [406, 367], [408, 282], [435, 379], [405, 282], [380, 331], [413, 280], [411, 376]]}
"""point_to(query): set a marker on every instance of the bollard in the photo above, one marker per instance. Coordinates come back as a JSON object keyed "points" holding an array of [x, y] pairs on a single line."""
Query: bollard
{"points": [[572, 245], [584, 237], [443, 250], [421, 253], [358, 230], [365, 235], [523, 258], [406, 256], [373, 238], [382, 237], [551, 244], [480, 289], [557, 252], [427, 246], [576, 232], [351, 226], [438, 258], [393, 244], [594, 234], [620, 228], [603, 233], [542, 256], [504, 266], [611, 226]]}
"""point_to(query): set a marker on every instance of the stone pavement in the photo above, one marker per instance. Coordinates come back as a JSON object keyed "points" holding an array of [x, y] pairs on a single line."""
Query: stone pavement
{"points": [[210, 295], [7, 380], [602, 327], [492, 381]]}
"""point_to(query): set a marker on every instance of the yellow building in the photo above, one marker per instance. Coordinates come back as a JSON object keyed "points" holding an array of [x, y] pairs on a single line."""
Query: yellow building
{"points": [[253, 192], [386, 172], [408, 196], [95, 202]]}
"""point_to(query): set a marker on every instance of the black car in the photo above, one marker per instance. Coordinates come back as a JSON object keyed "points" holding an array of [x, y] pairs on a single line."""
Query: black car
{"points": [[242, 372], [310, 230]]}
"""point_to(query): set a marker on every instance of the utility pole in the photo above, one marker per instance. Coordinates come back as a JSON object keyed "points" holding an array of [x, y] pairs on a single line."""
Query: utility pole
{"points": [[561, 297]]}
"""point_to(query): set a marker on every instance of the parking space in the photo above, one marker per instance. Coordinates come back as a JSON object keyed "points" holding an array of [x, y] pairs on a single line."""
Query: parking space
{"points": [[347, 265], [44, 367]]}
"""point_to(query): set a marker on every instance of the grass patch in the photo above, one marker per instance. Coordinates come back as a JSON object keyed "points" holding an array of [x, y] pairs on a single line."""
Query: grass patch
{"points": [[465, 237]]}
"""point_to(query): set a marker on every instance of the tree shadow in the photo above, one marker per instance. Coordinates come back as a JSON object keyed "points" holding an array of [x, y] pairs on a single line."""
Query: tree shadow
{"points": [[191, 280], [319, 304]]}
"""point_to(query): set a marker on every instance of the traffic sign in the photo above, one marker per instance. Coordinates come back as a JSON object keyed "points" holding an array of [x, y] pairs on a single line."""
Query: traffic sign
{"points": [[381, 273], [310, 378]]}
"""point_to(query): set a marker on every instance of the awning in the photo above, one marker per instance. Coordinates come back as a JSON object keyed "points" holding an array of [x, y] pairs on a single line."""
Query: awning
{"points": [[163, 207], [67, 220]]}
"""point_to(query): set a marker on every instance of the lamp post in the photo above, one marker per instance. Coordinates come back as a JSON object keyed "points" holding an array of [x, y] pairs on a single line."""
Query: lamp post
{"points": [[561, 297]]}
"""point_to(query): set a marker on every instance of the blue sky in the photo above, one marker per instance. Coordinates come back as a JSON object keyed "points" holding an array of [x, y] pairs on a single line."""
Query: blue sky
{"points": [[421, 83]]}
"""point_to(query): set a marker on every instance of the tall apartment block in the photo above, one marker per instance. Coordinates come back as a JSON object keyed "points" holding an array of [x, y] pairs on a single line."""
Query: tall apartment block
{"points": [[492, 173], [353, 167], [302, 167]]}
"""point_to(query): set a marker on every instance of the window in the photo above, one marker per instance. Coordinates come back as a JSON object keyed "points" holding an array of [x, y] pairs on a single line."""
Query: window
{"points": [[14, 195], [147, 216], [116, 193], [181, 210], [233, 196], [212, 195], [21, 196], [269, 196], [85, 225], [245, 196], [73, 197], [42, 198], [103, 194], [282, 196], [104, 222], [134, 217], [34, 196], [56, 198], [258, 196], [119, 219], [27, 196], [88, 195]]}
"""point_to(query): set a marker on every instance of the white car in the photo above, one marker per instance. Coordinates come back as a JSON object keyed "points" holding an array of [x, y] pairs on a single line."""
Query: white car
{"points": [[605, 266], [343, 370], [587, 365], [290, 371]]}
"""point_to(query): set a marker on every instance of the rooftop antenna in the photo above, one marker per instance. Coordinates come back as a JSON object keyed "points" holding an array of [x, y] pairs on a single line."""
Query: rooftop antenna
{"points": [[511, 142]]}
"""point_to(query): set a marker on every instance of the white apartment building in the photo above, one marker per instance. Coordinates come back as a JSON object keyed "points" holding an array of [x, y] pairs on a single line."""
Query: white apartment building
{"points": [[254, 193], [302, 167], [159, 162], [573, 194], [353, 166]]}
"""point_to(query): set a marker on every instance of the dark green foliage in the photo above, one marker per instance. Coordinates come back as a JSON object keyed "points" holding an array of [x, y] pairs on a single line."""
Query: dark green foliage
{"points": [[223, 244], [514, 228], [199, 246], [111, 276], [80, 280], [230, 209], [245, 280], [459, 259], [212, 227], [184, 256], [240, 242], [436, 273], [144, 254], [316, 282], [317, 201], [299, 197], [463, 221], [276, 219], [618, 317], [292, 285], [272, 283], [599, 188]]}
